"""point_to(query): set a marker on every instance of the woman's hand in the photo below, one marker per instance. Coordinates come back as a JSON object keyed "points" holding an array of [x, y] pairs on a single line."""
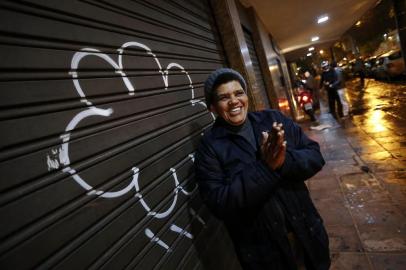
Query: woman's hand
{"points": [[273, 146]]}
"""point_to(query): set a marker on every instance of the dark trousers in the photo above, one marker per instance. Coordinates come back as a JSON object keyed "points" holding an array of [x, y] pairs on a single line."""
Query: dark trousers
{"points": [[361, 75], [334, 99]]}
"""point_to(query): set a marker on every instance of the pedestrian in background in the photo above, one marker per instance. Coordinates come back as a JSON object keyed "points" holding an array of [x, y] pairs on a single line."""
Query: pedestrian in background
{"points": [[328, 77], [339, 84], [251, 169], [360, 71]]}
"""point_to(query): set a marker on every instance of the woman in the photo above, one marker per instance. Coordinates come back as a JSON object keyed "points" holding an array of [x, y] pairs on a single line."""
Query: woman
{"points": [[251, 169]]}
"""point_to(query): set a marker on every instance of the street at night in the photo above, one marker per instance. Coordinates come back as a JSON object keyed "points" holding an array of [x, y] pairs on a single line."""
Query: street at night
{"points": [[361, 192]]}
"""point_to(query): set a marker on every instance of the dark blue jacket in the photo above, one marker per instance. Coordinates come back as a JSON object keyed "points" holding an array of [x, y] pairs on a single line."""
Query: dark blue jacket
{"points": [[259, 205]]}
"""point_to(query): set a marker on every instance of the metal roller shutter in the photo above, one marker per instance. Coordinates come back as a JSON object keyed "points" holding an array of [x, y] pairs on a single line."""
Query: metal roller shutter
{"points": [[259, 78], [100, 111]]}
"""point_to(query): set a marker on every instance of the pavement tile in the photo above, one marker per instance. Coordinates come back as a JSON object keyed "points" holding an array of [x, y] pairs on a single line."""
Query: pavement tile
{"points": [[399, 153], [390, 164], [383, 238], [346, 169], [377, 156], [401, 131], [388, 261], [343, 166], [381, 134], [360, 189], [349, 261], [368, 149], [325, 185], [397, 192], [401, 205], [344, 238], [394, 145], [326, 172], [379, 213], [325, 188], [393, 177], [338, 155], [395, 184], [320, 195], [390, 139], [333, 212], [362, 141]]}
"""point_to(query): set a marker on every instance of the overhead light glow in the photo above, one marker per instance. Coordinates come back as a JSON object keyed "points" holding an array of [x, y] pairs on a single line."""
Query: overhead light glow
{"points": [[321, 51], [309, 54], [311, 49], [315, 38], [358, 23], [322, 19]]}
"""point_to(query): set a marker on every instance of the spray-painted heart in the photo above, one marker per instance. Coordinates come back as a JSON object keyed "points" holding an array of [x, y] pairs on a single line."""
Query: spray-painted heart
{"points": [[94, 111]]}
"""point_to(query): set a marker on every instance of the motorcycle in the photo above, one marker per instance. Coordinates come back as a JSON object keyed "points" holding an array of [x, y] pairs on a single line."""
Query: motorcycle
{"points": [[305, 100]]}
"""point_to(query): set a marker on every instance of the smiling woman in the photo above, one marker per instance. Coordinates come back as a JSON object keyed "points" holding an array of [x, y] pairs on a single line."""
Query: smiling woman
{"points": [[251, 169], [231, 103]]}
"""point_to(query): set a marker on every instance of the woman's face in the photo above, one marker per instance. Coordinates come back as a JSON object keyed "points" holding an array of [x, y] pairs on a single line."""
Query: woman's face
{"points": [[231, 103]]}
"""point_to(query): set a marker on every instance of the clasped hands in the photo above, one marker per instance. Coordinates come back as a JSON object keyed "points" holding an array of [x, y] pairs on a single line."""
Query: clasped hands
{"points": [[273, 146]]}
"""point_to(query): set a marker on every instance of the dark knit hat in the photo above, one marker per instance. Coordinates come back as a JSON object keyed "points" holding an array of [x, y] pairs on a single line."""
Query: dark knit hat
{"points": [[220, 76]]}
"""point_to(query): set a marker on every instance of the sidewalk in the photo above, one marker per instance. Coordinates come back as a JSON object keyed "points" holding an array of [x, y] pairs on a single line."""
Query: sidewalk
{"points": [[360, 194]]}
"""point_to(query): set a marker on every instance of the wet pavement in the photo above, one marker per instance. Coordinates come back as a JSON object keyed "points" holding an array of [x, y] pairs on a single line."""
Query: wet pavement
{"points": [[361, 191]]}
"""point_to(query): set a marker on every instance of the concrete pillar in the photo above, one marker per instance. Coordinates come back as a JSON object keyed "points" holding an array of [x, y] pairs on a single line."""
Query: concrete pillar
{"points": [[333, 57], [235, 47], [262, 42]]}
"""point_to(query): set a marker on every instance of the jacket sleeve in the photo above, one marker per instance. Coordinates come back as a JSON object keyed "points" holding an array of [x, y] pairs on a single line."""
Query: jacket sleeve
{"points": [[303, 158], [321, 81], [227, 196]]}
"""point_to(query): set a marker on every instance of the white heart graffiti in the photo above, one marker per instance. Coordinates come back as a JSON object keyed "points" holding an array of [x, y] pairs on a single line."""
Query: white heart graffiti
{"points": [[63, 157]]}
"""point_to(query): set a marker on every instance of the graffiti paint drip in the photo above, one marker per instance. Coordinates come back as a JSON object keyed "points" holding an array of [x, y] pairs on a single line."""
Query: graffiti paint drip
{"points": [[181, 231]]}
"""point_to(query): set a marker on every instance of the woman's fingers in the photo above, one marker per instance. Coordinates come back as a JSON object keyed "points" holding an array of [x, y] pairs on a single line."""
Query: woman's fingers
{"points": [[264, 144], [264, 138], [279, 158], [273, 146]]}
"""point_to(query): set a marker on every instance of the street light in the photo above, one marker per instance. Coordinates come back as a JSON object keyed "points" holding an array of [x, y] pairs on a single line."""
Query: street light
{"points": [[322, 19]]}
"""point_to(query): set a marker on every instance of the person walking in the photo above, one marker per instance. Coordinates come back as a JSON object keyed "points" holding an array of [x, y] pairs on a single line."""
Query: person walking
{"points": [[360, 71], [339, 84], [328, 77], [251, 169]]}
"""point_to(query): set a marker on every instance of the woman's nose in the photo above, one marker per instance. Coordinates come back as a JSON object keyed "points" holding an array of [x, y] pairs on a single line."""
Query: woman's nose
{"points": [[233, 100]]}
